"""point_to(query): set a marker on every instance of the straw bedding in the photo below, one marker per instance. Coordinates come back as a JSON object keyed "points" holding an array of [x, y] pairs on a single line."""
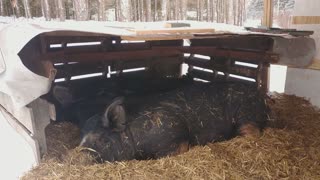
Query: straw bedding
{"points": [[289, 148]]}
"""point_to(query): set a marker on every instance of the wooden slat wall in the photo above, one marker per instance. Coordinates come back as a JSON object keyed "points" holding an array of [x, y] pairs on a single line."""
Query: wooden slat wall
{"points": [[111, 54], [228, 68], [161, 57]]}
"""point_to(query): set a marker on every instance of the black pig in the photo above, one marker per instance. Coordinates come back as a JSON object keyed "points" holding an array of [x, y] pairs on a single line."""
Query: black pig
{"points": [[78, 101], [168, 123]]}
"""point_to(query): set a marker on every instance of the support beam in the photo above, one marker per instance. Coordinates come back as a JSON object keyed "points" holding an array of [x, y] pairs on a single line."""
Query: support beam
{"points": [[60, 57], [248, 56], [267, 13]]}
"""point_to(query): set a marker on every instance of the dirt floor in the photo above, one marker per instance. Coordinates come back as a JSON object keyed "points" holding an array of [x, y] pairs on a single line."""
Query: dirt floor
{"points": [[288, 149]]}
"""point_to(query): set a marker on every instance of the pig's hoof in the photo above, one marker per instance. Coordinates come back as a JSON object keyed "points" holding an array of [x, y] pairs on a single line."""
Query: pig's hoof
{"points": [[249, 130]]}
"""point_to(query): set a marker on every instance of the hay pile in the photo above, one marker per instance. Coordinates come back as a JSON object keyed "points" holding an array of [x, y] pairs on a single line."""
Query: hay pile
{"points": [[61, 137], [288, 149]]}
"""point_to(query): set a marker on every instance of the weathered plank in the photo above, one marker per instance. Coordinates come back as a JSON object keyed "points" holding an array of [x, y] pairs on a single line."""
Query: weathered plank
{"points": [[233, 69], [240, 42], [306, 20], [215, 77], [120, 65], [169, 31], [109, 56], [70, 70], [249, 56]]}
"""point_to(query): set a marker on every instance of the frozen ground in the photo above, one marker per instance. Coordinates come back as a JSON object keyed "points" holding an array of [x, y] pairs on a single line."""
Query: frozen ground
{"points": [[139, 25]]}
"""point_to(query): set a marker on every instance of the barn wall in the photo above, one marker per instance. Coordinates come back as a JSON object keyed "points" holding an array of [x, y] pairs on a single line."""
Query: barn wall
{"points": [[304, 82], [306, 16]]}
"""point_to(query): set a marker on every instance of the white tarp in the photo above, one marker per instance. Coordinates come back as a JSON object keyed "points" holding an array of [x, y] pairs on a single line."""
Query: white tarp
{"points": [[2, 64], [17, 81]]}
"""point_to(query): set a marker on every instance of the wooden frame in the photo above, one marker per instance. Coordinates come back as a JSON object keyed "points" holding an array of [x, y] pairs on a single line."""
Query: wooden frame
{"points": [[306, 19], [267, 13]]}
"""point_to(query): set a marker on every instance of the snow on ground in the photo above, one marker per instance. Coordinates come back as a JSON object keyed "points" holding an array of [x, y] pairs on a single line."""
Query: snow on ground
{"points": [[15, 154], [95, 25]]}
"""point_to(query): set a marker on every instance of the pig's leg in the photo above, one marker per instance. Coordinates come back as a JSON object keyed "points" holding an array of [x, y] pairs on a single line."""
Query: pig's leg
{"points": [[252, 116]]}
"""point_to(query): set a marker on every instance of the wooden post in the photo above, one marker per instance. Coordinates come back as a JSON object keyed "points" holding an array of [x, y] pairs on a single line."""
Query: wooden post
{"points": [[267, 22], [262, 78], [267, 13]]}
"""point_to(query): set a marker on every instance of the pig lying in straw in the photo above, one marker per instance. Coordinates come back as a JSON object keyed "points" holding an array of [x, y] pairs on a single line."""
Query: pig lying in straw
{"points": [[152, 126]]}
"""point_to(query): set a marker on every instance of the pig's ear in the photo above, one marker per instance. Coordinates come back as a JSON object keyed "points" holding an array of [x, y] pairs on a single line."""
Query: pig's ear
{"points": [[63, 95], [114, 113]]}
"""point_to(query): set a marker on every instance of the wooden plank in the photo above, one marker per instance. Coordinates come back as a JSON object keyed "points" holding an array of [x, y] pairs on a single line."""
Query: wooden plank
{"points": [[306, 20], [83, 49], [121, 65], [158, 37], [278, 31], [315, 64], [110, 56], [249, 56], [169, 31], [131, 46], [240, 42], [76, 34], [74, 39], [125, 46], [176, 25], [265, 79], [43, 44], [133, 74], [202, 75], [267, 13], [178, 42], [194, 61], [101, 48], [219, 78], [69, 70], [234, 69]]}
